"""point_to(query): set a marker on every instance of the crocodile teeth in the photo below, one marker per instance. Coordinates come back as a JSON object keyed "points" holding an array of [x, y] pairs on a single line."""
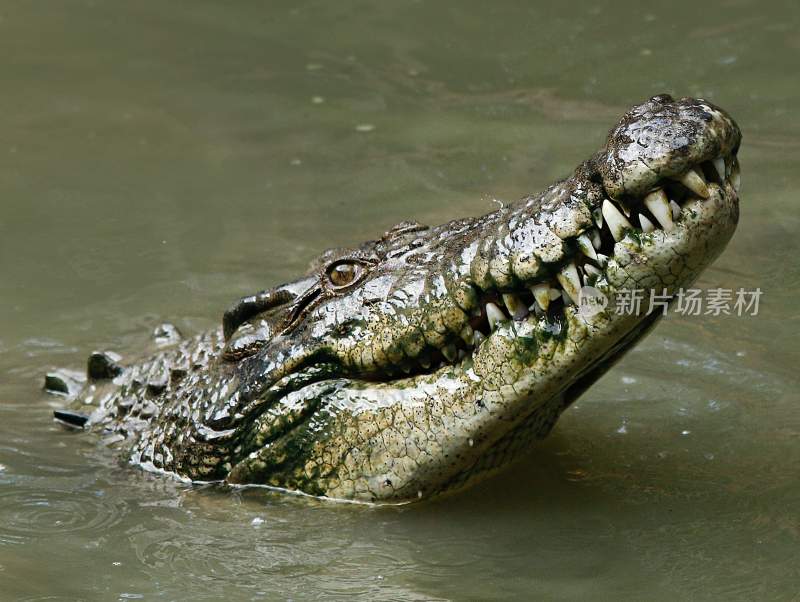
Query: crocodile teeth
{"points": [[570, 280], [597, 242], [554, 294], [591, 270], [586, 246], [602, 260], [597, 214], [658, 204], [541, 292], [467, 334], [515, 307], [461, 354], [719, 165], [647, 225], [615, 220], [450, 352], [425, 361], [695, 182], [494, 314], [676, 209], [478, 338]]}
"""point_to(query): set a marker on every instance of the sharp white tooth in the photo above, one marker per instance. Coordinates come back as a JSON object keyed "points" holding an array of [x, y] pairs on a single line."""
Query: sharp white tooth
{"points": [[736, 176], [478, 338], [615, 220], [719, 165], [461, 354], [450, 352], [591, 270], [494, 314], [541, 292], [515, 307], [586, 247], [570, 280], [597, 214], [596, 240], [647, 225], [602, 260], [554, 293], [658, 204], [425, 361], [466, 334], [406, 368], [676, 209], [694, 182], [537, 310]]}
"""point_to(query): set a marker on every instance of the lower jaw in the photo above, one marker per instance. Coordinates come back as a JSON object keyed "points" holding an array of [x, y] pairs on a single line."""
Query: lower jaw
{"points": [[561, 369], [673, 259], [523, 363]]}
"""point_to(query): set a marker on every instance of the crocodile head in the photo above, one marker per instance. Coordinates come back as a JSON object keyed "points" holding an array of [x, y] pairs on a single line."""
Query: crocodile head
{"points": [[410, 364]]}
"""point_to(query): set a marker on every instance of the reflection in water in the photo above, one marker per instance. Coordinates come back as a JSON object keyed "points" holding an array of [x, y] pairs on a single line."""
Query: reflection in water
{"points": [[161, 161]]}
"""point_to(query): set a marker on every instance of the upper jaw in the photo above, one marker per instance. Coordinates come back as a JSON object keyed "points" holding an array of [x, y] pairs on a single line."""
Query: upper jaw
{"points": [[626, 188], [686, 203], [612, 196]]}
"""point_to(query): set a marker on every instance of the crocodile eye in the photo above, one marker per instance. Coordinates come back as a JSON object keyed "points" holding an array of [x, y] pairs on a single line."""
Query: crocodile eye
{"points": [[344, 273]]}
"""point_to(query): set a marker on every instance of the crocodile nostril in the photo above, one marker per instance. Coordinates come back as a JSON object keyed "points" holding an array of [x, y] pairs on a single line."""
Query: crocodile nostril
{"points": [[662, 99]]}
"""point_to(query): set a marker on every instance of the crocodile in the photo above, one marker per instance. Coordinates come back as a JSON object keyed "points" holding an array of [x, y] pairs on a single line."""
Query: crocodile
{"points": [[419, 362]]}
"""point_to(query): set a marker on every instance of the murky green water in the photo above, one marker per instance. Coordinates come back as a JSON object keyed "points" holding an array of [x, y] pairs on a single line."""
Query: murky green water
{"points": [[158, 160]]}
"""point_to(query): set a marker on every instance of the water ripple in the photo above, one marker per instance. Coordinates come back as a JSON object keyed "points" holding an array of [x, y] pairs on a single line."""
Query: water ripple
{"points": [[36, 514]]}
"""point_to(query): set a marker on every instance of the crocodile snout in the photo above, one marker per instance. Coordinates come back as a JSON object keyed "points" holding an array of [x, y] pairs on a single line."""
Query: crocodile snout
{"points": [[664, 138]]}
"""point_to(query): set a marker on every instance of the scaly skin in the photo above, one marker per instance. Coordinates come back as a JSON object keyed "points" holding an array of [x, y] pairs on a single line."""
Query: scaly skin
{"points": [[364, 379]]}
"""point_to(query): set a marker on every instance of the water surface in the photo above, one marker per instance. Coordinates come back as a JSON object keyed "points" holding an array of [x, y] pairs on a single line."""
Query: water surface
{"points": [[158, 160]]}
